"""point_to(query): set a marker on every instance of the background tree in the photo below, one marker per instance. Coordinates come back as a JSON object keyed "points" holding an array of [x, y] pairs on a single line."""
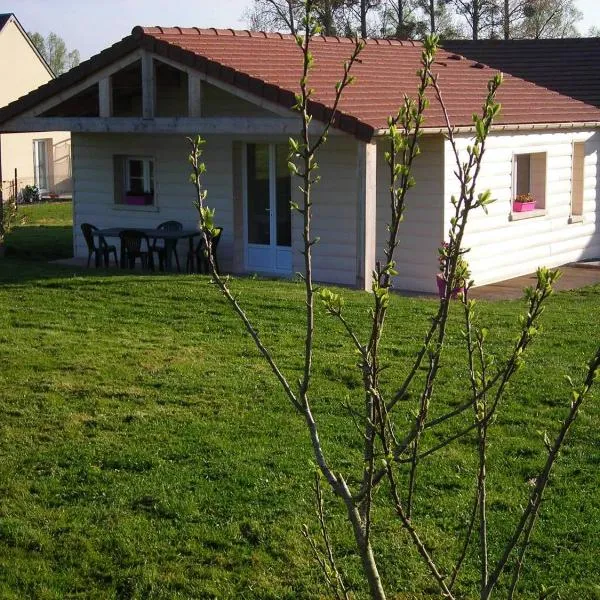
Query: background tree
{"points": [[400, 19], [512, 17], [439, 18], [55, 53], [481, 17], [550, 19], [335, 17]]}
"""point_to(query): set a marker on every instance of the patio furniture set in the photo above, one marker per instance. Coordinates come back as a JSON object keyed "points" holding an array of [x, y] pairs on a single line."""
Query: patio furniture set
{"points": [[144, 244]]}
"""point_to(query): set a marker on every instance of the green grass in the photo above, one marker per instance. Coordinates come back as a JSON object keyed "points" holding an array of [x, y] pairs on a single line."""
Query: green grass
{"points": [[145, 451], [44, 232]]}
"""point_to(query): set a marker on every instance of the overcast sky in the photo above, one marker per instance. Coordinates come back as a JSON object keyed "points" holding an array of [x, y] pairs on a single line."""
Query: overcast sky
{"points": [[92, 25]]}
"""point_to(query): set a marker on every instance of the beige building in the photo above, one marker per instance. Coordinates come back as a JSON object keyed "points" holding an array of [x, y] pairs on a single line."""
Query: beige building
{"points": [[41, 159]]}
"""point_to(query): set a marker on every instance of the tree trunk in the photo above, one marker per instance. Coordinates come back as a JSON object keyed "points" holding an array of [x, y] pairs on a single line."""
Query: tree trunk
{"points": [[400, 29], [432, 16], [476, 15], [363, 18], [366, 552], [506, 19]]}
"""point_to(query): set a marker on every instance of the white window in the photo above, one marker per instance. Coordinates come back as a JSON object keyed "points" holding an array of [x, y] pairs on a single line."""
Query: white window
{"points": [[134, 180], [140, 176], [40, 164], [529, 178], [577, 185]]}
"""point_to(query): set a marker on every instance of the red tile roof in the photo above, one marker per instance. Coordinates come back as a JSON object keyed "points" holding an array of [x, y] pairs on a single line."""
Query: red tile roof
{"points": [[268, 65], [386, 71]]}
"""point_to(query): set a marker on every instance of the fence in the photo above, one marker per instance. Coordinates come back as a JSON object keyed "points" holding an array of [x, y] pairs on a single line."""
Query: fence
{"points": [[15, 189]]}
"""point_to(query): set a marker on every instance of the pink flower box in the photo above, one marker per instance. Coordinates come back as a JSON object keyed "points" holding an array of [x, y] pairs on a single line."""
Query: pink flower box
{"points": [[523, 206], [142, 200]]}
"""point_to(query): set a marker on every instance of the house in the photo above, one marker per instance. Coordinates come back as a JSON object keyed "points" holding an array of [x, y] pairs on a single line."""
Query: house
{"points": [[130, 108], [37, 158]]}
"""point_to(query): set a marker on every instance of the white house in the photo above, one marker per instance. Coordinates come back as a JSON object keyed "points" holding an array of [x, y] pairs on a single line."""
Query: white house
{"points": [[131, 107], [37, 158]]}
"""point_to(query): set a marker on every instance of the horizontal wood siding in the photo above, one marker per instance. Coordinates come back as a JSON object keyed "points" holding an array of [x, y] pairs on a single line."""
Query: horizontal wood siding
{"points": [[94, 198], [334, 212], [422, 229], [501, 248]]}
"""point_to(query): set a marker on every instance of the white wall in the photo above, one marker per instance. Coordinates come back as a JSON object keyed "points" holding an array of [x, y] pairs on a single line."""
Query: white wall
{"points": [[423, 228], [334, 197], [334, 214], [94, 199], [502, 248]]}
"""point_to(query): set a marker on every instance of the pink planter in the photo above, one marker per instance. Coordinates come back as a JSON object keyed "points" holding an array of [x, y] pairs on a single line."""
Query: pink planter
{"points": [[142, 200], [441, 284], [523, 206]]}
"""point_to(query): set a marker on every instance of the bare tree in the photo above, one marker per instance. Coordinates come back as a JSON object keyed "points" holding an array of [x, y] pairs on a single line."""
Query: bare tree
{"points": [[440, 20], [551, 19], [513, 13], [395, 451], [479, 16]]}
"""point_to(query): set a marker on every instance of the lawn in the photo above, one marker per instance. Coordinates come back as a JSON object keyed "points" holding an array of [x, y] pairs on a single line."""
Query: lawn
{"points": [[145, 451], [44, 232]]}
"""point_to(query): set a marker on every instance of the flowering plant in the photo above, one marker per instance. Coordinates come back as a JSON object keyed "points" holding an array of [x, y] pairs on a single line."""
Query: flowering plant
{"points": [[522, 198], [461, 273]]}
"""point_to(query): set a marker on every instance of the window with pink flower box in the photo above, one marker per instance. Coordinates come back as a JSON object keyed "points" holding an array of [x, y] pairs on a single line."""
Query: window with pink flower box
{"points": [[529, 179], [134, 180]]}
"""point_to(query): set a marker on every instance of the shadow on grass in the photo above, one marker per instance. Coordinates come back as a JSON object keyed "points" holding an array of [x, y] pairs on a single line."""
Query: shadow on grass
{"points": [[15, 269], [40, 242]]}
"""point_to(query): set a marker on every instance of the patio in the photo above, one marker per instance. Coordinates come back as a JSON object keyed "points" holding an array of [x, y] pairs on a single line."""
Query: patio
{"points": [[574, 276]]}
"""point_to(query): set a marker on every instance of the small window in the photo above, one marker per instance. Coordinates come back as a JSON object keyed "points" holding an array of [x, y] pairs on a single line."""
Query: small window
{"points": [[577, 186], [134, 180], [529, 181]]}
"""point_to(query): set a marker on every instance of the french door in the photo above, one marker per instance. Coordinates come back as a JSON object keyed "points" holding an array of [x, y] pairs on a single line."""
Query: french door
{"points": [[268, 219]]}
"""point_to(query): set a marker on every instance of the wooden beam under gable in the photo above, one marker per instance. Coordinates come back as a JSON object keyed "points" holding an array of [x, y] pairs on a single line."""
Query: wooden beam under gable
{"points": [[194, 94], [77, 88], [105, 97], [256, 126], [229, 88], [148, 86]]}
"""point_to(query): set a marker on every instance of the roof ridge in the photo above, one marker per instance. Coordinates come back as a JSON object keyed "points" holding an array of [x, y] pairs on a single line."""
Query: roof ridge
{"points": [[140, 30]]}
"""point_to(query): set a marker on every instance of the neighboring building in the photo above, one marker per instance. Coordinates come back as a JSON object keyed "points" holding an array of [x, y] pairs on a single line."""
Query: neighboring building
{"points": [[565, 65], [131, 107], [43, 159]]}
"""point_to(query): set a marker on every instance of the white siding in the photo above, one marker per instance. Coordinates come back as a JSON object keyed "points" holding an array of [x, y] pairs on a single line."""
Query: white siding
{"points": [[94, 200], [423, 228], [501, 248], [334, 212], [334, 197]]}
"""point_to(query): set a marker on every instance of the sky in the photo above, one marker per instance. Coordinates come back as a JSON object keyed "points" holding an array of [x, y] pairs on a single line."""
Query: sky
{"points": [[92, 25]]}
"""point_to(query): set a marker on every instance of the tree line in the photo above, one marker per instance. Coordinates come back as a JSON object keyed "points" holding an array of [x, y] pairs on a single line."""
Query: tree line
{"points": [[414, 19]]}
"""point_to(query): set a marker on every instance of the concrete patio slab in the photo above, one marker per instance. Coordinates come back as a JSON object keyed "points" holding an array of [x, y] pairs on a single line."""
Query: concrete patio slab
{"points": [[574, 276]]}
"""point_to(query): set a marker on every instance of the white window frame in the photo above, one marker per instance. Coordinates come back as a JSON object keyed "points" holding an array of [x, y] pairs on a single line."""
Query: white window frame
{"points": [[43, 142], [149, 183], [541, 199]]}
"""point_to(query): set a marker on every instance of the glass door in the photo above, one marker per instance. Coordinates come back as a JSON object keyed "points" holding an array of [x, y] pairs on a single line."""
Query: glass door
{"points": [[268, 213]]}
